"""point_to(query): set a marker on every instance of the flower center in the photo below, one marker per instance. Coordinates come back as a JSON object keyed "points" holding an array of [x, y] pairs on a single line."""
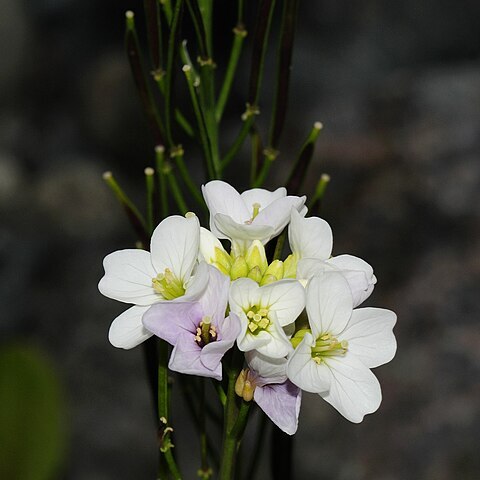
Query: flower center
{"points": [[257, 319], [206, 332], [256, 208], [168, 285], [328, 346]]}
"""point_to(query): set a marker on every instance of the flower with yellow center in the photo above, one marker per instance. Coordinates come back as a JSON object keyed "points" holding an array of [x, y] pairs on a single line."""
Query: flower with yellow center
{"points": [[334, 356], [264, 312]]}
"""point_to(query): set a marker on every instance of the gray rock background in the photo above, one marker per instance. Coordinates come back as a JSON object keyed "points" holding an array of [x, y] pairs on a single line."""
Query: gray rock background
{"points": [[397, 86]]}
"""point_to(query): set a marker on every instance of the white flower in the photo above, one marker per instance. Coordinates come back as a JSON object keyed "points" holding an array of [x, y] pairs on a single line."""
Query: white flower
{"points": [[263, 312], [256, 214], [143, 278], [311, 242], [334, 358]]}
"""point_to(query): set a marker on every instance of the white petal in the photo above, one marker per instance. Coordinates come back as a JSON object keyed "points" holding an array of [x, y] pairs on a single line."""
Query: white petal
{"points": [[329, 303], [233, 230], [310, 237], [247, 342], [221, 197], [175, 244], [127, 330], [215, 297], [277, 214], [128, 277], [272, 370], [262, 197], [196, 285], [359, 275], [278, 345], [286, 298], [370, 336], [354, 389], [244, 293], [304, 372]]}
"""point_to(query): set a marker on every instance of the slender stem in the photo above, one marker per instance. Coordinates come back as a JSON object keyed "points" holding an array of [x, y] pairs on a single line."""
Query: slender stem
{"points": [[247, 124], [177, 154], [162, 181], [299, 170], [172, 466], [163, 380], [141, 81], [199, 26], [191, 81], [270, 156], [176, 191], [239, 36], [167, 9], [206, 10], [135, 217], [150, 187], [159, 77], [256, 152], [320, 190], [172, 48], [279, 245], [221, 392], [154, 31], [241, 422], [204, 470]]}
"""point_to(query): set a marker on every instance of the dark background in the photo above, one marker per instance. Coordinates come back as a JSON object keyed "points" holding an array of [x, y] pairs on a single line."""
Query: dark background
{"points": [[397, 86]]}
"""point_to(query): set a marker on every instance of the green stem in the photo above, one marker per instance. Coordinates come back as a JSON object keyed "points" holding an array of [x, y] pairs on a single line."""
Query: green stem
{"points": [[239, 37], [167, 9], [162, 181], [135, 217], [270, 156], [191, 82], [150, 187], [177, 154], [163, 380], [319, 192], [172, 48], [206, 10], [176, 191], [279, 246], [299, 170], [247, 124], [134, 53]]}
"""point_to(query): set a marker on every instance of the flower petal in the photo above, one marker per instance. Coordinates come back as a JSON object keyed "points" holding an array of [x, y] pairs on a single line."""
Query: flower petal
{"points": [[329, 303], [128, 277], [127, 330], [169, 320], [271, 370], [354, 389], [359, 275], [215, 297], [370, 336], [196, 286], [281, 402], [212, 354], [175, 245], [304, 372], [208, 243], [244, 293], [262, 197], [278, 345], [286, 298], [277, 214], [221, 197], [186, 358], [233, 230], [310, 237]]}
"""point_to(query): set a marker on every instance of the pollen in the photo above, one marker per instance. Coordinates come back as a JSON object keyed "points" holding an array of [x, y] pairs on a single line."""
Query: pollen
{"points": [[168, 285], [328, 346]]}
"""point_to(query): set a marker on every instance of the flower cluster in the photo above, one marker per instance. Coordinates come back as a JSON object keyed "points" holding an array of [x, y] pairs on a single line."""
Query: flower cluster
{"points": [[296, 320]]}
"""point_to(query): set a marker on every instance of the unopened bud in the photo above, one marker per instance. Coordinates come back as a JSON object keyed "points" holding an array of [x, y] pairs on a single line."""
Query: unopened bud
{"points": [[255, 274], [256, 257], [290, 266], [244, 387], [276, 269], [239, 268]]}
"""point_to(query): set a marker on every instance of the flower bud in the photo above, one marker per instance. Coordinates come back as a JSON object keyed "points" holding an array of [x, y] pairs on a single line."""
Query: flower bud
{"points": [[256, 257], [244, 387], [290, 266], [255, 274], [239, 268], [268, 279], [221, 257], [276, 269]]}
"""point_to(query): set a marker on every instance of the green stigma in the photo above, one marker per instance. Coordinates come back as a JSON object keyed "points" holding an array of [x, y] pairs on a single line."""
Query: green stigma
{"points": [[168, 285]]}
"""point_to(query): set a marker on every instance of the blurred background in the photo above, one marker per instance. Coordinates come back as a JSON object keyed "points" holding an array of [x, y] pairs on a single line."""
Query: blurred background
{"points": [[397, 86]]}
